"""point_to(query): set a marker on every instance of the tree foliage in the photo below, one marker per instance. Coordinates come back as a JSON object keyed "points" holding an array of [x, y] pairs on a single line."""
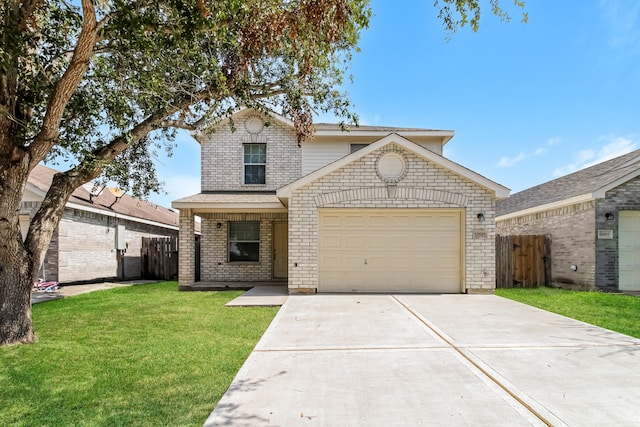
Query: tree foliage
{"points": [[456, 14], [105, 83]]}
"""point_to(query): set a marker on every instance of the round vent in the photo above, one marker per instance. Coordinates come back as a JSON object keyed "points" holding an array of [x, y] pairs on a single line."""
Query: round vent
{"points": [[391, 167], [254, 125]]}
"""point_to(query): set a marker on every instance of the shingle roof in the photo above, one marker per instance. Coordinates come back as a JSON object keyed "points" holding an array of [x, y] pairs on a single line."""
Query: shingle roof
{"points": [[585, 181], [42, 176]]}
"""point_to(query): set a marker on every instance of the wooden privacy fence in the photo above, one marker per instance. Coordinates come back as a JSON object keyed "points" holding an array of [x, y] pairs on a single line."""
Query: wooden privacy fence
{"points": [[522, 261], [159, 257]]}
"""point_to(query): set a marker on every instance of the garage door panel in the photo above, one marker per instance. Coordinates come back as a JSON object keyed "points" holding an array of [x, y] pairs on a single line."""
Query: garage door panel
{"points": [[353, 242], [389, 250], [331, 241]]}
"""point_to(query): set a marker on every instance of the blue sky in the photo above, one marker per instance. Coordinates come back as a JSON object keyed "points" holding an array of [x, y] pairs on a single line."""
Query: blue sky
{"points": [[528, 102]]}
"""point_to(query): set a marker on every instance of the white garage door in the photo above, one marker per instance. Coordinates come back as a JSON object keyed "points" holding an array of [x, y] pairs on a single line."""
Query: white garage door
{"points": [[390, 250], [629, 250]]}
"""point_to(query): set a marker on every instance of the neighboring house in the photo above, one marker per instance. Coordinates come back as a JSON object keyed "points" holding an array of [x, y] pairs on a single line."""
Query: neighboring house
{"points": [[593, 219], [375, 209], [99, 237]]}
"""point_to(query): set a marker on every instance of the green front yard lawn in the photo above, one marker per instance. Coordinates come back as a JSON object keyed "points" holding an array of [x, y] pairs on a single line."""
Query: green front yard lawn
{"points": [[143, 355], [618, 312], [150, 355]]}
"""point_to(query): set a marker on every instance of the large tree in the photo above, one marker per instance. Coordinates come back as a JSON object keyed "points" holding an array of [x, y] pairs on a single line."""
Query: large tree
{"points": [[105, 83]]}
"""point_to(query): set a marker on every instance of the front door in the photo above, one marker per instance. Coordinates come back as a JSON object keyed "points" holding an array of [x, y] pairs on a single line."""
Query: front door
{"points": [[280, 250]]}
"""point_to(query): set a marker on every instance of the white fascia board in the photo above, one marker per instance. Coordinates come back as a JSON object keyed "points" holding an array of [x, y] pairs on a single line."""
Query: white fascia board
{"points": [[230, 207], [445, 134], [112, 214], [601, 192], [500, 192], [548, 206]]}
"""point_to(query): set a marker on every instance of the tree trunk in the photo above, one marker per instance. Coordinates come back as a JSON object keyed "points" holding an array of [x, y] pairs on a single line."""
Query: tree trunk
{"points": [[15, 302], [15, 261]]}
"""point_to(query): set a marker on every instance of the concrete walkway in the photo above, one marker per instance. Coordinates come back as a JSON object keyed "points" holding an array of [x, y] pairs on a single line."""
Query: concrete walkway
{"points": [[70, 290], [438, 360], [261, 296]]}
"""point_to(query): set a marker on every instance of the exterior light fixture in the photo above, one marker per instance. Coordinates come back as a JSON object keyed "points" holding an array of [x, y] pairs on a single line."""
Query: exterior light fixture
{"points": [[219, 225], [480, 217], [574, 267], [609, 216]]}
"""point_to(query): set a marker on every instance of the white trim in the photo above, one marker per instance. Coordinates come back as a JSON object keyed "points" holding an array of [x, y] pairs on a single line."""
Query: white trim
{"points": [[499, 191], [446, 135], [230, 207], [548, 206], [600, 193]]}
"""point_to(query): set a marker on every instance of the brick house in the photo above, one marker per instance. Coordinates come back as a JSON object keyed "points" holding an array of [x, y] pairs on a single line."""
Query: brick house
{"points": [[593, 219], [99, 237], [376, 209]]}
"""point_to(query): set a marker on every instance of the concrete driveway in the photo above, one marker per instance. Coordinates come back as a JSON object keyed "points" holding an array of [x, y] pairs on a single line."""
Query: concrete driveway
{"points": [[437, 360]]}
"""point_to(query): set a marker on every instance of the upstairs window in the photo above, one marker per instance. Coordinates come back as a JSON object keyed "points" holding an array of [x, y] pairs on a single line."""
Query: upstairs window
{"points": [[255, 163], [244, 241]]}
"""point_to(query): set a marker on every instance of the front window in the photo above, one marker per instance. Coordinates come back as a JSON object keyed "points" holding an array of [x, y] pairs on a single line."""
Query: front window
{"points": [[244, 241], [255, 161]]}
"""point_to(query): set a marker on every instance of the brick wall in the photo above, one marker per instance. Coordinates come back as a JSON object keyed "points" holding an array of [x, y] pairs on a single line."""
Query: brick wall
{"points": [[222, 157], [82, 247], [426, 185], [572, 232], [214, 256], [86, 246], [624, 197], [186, 249]]}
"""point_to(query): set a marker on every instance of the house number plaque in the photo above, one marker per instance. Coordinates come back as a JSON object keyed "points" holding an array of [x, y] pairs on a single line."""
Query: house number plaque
{"points": [[605, 234]]}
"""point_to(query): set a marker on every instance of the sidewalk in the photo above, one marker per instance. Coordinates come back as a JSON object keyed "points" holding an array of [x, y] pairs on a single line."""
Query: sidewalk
{"points": [[70, 290]]}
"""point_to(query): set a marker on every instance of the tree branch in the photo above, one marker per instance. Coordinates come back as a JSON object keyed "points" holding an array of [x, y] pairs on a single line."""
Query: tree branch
{"points": [[66, 86], [26, 10], [180, 124]]}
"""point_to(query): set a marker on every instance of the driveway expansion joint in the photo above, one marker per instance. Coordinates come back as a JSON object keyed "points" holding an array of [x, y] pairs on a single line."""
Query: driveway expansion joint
{"points": [[479, 366]]}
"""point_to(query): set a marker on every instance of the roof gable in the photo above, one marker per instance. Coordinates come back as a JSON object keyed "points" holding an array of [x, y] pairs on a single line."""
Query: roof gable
{"points": [[332, 129], [586, 184], [499, 191], [225, 121]]}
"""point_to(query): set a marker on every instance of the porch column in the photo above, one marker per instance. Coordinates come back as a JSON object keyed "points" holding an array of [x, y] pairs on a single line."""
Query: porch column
{"points": [[186, 249]]}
